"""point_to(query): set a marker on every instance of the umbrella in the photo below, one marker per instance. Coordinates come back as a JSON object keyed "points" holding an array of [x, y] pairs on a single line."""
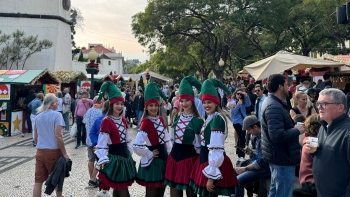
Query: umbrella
{"points": [[284, 61]]}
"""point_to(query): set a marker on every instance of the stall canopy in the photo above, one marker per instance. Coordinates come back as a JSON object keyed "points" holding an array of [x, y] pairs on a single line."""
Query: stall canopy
{"points": [[69, 76], [32, 77], [284, 61]]}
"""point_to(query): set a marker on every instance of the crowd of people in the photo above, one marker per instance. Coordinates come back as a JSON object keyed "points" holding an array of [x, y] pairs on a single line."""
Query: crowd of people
{"points": [[276, 125]]}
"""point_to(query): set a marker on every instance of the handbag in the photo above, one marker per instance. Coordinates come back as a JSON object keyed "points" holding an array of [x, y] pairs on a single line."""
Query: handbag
{"points": [[73, 130]]}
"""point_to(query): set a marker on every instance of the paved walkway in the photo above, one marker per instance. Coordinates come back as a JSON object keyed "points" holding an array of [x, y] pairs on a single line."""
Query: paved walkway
{"points": [[17, 164]]}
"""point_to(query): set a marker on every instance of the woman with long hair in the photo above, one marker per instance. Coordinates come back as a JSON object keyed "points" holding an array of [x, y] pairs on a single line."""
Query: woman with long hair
{"points": [[306, 178], [186, 128], [152, 143], [213, 173], [60, 101], [300, 100], [238, 113], [114, 150]]}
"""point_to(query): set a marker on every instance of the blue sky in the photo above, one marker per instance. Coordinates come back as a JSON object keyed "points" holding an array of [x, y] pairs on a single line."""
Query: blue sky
{"points": [[109, 22]]}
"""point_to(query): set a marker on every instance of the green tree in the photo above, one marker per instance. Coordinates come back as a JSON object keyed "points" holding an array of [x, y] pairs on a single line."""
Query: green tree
{"points": [[77, 20], [81, 57], [18, 48]]}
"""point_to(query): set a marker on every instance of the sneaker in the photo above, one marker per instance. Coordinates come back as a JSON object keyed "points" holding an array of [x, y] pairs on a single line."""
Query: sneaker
{"points": [[103, 193], [93, 183], [77, 147]]}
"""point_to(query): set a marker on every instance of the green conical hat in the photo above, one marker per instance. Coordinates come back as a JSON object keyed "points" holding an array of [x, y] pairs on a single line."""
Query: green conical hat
{"points": [[153, 93], [185, 89], [209, 91], [113, 92]]}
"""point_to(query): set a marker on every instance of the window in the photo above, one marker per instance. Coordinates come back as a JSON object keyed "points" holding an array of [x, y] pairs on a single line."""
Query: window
{"points": [[109, 63]]}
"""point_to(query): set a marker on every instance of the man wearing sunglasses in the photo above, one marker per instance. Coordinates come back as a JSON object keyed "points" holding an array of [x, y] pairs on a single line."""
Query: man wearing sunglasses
{"points": [[259, 91], [331, 161]]}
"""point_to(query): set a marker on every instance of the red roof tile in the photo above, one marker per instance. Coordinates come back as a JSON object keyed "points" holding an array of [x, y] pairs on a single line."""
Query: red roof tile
{"points": [[99, 50]]}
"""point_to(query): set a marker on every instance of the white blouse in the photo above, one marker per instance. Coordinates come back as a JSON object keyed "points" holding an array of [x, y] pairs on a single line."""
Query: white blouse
{"points": [[216, 149], [104, 140], [142, 141]]}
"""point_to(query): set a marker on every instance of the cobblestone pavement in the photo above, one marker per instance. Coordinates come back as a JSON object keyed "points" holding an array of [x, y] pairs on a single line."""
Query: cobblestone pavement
{"points": [[17, 164]]}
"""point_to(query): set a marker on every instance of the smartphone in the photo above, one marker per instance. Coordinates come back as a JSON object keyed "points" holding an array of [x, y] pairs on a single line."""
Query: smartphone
{"points": [[239, 148]]}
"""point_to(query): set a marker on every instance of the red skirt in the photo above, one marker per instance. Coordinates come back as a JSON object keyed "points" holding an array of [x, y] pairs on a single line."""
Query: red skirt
{"points": [[177, 174], [225, 186], [120, 185]]}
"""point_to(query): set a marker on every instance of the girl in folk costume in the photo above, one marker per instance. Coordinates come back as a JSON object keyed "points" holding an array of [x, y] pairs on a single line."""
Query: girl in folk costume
{"points": [[187, 125], [152, 143], [114, 149], [213, 173]]}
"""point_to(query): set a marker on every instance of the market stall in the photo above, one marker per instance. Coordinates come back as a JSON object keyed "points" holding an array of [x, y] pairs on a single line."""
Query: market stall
{"points": [[339, 77], [15, 86], [283, 61], [68, 79]]}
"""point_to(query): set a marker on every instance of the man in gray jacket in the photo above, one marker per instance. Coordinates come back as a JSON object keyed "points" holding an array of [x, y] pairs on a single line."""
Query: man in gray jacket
{"points": [[280, 146], [331, 164]]}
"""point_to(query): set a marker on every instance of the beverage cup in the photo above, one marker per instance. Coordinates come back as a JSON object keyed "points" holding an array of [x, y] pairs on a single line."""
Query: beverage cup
{"points": [[313, 143]]}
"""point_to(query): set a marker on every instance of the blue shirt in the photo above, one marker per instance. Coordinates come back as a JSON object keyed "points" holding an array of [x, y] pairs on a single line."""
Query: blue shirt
{"points": [[199, 106], [257, 155], [260, 104], [33, 106], [239, 113], [95, 130]]}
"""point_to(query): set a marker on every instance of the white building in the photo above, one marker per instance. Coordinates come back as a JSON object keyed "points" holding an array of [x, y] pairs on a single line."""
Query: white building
{"points": [[49, 19], [110, 60]]}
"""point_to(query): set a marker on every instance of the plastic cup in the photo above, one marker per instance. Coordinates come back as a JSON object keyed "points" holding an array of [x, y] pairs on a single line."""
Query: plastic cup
{"points": [[313, 143]]}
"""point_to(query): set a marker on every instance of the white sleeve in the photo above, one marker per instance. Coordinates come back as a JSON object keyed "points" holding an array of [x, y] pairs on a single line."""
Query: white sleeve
{"points": [[102, 148], [216, 155], [167, 107], [167, 141], [129, 141], [140, 149], [197, 143]]}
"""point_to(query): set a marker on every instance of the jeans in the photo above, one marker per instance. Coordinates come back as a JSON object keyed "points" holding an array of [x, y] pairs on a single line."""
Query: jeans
{"points": [[66, 121], [29, 122], [249, 177], [139, 116], [282, 181], [81, 134], [32, 118]]}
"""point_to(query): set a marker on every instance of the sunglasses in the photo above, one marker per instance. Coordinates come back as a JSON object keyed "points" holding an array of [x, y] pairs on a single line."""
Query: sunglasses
{"points": [[257, 90]]}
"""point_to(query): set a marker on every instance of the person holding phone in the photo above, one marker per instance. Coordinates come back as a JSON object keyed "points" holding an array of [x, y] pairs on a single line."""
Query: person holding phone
{"points": [[241, 100]]}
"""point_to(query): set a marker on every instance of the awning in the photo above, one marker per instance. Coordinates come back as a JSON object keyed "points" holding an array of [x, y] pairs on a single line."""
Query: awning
{"points": [[27, 77], [69, 76]]}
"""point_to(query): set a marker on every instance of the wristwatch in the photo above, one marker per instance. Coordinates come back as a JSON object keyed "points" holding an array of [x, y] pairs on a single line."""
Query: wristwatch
{"points": [[246, 169]]}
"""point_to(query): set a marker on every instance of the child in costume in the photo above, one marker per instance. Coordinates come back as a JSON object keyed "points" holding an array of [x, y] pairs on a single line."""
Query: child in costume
{"points": [[213, 174], [114, 150], [187, 125], [152, 143]]}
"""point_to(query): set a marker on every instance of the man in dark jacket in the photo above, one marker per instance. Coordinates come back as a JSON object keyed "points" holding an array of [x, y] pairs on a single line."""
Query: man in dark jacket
{"points": [[280, 144], [331, 161], [138, 106]]}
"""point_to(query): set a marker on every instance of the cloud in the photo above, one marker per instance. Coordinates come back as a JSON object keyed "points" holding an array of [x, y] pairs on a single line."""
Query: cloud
{"points": [[107, 20]]}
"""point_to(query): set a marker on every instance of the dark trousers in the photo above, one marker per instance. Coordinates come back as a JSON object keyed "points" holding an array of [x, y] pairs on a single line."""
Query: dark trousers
{"points": [[81, 134], [29, 122], [241, 139]]}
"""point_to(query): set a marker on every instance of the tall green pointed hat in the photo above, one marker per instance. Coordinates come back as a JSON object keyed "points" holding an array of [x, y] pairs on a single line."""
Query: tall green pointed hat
{"points": [[153, 94], [114, 94], [185, 89], [209, 91]]}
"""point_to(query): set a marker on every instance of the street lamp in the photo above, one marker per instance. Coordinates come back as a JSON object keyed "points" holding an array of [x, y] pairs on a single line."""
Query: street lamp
{"points": [[221, 64], [92, 68], [147, 74]]}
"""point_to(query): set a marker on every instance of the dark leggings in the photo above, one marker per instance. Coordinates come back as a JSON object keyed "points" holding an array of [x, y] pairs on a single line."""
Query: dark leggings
{"points": [[241, 139], [155, 192]]}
